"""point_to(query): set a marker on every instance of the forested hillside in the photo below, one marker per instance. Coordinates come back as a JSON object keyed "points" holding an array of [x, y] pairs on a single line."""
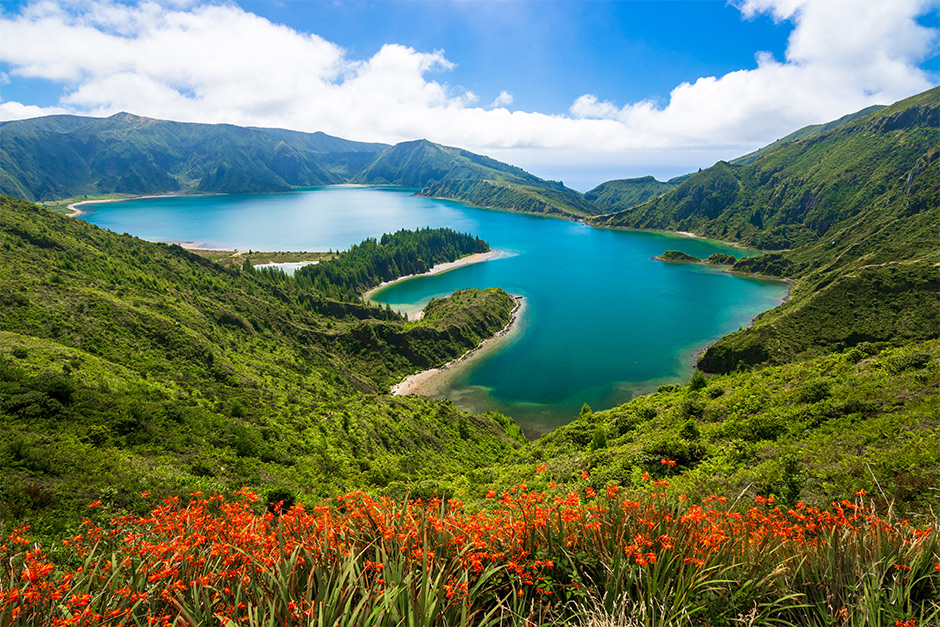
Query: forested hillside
{"points": [[367, 265], [127, 366]]}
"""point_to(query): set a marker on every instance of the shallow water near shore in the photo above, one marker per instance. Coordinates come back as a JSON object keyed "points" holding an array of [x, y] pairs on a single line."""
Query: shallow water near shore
{"points": [[603, 321]]}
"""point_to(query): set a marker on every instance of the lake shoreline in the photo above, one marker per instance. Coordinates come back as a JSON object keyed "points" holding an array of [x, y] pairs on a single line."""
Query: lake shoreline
{"points": [[420, 382], [77, 212], [586, 220]]}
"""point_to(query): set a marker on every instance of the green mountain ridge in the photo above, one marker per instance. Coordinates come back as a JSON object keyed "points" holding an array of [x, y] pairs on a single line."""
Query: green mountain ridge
{"points": [[798, 192], [58, 157], [68, 156], [803, 133], [616, 195], [454, 173]]}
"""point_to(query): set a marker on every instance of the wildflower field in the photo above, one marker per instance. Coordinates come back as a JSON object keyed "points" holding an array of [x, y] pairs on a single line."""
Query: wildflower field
{"points": [[528, 558]]}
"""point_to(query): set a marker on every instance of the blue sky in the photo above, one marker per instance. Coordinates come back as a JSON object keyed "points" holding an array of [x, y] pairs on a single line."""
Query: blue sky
{"points": [[549, 53], [581, 91]]}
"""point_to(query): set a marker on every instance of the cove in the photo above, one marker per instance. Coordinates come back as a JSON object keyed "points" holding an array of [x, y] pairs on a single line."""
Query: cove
{"points": [[603, 321]]}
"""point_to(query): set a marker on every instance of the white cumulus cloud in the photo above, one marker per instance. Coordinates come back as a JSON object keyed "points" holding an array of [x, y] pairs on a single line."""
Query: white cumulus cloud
{"points": [[504, 99]]}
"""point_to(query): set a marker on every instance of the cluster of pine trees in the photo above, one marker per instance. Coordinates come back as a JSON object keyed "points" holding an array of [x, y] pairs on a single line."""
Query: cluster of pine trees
{"points": [[373, 261]]}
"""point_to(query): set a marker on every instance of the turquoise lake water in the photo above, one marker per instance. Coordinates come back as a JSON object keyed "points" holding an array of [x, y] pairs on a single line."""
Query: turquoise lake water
{"points": [[603, 322]]}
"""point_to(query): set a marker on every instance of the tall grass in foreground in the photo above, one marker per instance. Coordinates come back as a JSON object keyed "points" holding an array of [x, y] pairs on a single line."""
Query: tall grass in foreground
{"points": [[530, 559]]}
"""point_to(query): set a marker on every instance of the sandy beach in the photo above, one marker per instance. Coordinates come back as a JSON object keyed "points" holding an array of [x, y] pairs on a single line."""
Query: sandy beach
{"points": [[420, 382], [441, 268]]}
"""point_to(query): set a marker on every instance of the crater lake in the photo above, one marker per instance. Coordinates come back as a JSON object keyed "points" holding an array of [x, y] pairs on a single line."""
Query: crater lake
{"points": [[602, 323]]}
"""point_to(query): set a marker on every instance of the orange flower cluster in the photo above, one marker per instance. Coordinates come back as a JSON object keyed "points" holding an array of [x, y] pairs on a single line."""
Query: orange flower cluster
{"points": [[216, 560]]}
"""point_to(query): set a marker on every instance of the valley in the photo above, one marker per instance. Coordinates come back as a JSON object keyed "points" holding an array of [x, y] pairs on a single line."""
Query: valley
{"points": [[134, 370]]}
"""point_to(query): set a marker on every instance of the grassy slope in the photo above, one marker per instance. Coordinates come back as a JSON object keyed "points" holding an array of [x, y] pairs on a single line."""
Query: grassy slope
{"points": [[892, 302], [622, 194], [128, 365], [803, 133]]}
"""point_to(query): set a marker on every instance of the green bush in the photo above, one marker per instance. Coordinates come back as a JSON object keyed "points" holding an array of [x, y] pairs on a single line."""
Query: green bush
{"points": [[814, 392], [714, 391], [599, 439], [897, 364]]}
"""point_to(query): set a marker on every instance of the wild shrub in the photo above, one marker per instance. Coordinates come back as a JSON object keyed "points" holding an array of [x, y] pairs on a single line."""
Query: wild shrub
{"points": [[698, 381], [897, 364], [814, 392]]}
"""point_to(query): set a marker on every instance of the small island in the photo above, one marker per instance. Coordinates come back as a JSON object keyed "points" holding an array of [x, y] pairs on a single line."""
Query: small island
{"points": [[715, 259], [677, 256]]}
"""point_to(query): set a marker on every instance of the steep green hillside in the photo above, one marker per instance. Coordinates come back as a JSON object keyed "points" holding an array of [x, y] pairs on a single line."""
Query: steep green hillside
{"points": [[445, 172], [622, 194], [126, 365], [803, 133], [68, 156], [880, 166], [885, 303]]}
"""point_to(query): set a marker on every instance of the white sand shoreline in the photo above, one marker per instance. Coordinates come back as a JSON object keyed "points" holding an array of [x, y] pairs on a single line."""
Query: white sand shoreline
{"points": [[441, 268], [76, 211], [416, 383]]}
